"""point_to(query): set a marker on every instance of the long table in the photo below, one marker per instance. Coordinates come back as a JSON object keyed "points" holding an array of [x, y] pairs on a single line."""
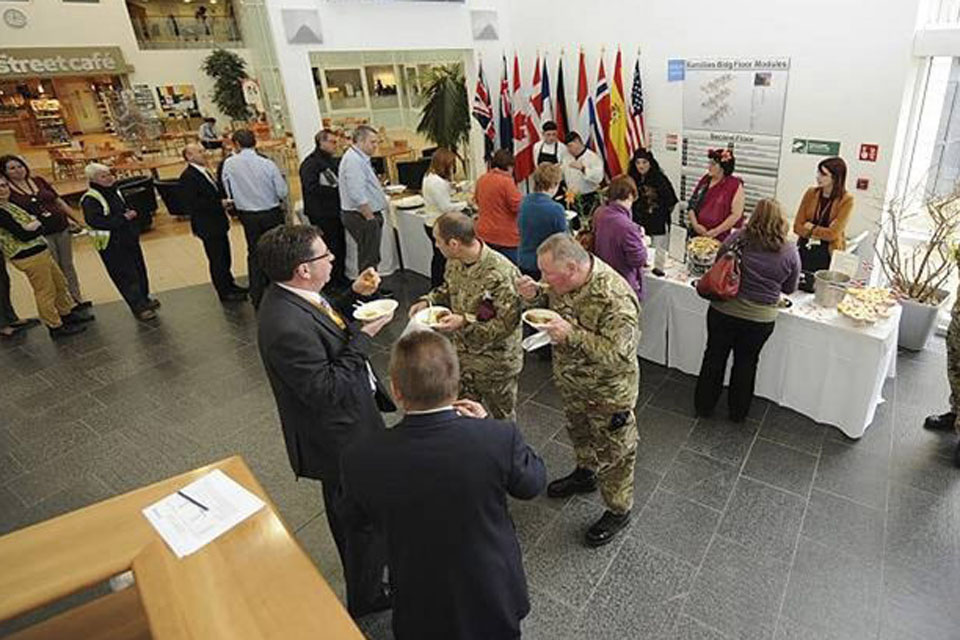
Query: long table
{"points": [[817, 362]]}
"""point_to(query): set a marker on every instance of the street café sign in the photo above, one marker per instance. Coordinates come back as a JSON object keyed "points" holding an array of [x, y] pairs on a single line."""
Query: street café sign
{"points": [[31, 62]]}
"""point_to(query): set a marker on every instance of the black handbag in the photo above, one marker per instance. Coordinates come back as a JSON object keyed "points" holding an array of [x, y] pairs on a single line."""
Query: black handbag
{"points": [[816, 256]]}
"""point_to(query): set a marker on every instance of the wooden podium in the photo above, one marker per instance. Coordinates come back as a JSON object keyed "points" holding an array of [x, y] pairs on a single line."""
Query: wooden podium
{"points": [[255, 581]]}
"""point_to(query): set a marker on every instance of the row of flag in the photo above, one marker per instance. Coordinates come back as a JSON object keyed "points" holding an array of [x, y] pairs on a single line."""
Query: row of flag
{"points": [[606, 122]]}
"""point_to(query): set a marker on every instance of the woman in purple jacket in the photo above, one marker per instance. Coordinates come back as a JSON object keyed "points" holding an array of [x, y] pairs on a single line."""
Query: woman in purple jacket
{"points": [[769, 266], [617, 239]]}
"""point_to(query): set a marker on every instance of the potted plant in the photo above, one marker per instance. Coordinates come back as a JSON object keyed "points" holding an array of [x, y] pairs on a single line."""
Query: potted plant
{"points": [[228, 71], [445, 117], [918, 273]]}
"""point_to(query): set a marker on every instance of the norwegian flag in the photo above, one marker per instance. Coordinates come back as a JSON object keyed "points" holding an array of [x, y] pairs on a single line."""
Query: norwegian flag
{"points": [[536, 95], [506, 112], [602, 120], [524, 130], [584, 103], [483, 113], [636, 132]]}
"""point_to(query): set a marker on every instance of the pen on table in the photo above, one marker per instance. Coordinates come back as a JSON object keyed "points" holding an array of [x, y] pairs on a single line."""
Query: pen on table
{"points": [[188, 498]]}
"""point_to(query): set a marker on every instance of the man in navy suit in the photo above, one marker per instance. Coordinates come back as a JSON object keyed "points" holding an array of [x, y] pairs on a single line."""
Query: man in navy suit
{"points": [[437, 486]]}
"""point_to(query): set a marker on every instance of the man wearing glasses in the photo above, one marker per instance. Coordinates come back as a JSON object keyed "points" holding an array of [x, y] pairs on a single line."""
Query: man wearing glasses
{"points": [[361, 197], [327, 393]]}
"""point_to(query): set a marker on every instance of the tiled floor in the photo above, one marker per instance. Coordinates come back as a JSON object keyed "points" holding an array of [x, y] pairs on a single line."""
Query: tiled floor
{"points": [[777, 528]]}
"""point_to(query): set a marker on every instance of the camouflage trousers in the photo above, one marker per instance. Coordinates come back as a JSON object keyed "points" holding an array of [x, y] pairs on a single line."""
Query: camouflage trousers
{"points": [[953, 366], [497, 393], [607, 449]]}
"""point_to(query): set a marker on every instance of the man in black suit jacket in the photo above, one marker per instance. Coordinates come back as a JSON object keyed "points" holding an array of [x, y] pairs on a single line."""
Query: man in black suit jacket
{"points": [[203, 199], [326, 391], [437, 484], [321, 200]]}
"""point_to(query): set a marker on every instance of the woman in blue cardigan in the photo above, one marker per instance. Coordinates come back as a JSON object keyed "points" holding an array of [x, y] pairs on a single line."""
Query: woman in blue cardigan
{"points": [[540, 216]]}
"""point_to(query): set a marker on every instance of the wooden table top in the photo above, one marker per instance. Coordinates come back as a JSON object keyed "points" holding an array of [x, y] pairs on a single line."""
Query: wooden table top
{"points": [[255, 581], [68, 188]]}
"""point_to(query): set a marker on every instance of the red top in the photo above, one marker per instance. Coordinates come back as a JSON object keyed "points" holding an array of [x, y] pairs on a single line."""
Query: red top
{"points": [[718, 202], [41, 204], [498, 201]]}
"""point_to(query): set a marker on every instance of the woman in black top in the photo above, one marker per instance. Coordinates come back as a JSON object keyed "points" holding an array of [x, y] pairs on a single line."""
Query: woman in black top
{"points": [[652, 209]]}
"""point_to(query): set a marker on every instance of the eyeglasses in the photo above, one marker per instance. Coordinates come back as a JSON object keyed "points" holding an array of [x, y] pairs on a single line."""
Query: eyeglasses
{"points": [[320, 257]]}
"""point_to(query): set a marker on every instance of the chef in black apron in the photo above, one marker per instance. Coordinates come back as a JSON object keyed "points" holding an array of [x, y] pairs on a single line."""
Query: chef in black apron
{"points": [[551, 150]]}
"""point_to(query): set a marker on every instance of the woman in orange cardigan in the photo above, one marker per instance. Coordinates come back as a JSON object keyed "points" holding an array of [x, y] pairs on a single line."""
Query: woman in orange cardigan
{"points": [[821, 221]]}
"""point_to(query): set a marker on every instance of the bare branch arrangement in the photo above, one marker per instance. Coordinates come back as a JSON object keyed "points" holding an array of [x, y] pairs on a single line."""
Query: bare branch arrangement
{"points": [[920, 272]]}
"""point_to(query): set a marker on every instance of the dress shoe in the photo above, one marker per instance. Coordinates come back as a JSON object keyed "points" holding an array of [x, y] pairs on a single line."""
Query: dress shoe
{"points": [[86, 304], [238, 289], [66, 330], [606, 528], [146, 314], [580, 481], [233, 296], [153, 304], [77, 317], [942, 422]]}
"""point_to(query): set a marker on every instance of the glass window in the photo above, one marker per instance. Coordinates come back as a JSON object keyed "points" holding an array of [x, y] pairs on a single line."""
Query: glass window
{"points": [[382, 84], [345, 89]]}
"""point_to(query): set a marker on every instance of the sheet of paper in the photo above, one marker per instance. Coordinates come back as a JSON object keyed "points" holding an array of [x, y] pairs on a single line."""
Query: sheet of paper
{"points": [[678, 242], [845, 262], [186, 527]]}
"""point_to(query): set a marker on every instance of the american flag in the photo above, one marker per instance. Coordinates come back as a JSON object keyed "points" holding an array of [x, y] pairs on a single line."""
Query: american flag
{"points": [[636, 133], [483, 112]]}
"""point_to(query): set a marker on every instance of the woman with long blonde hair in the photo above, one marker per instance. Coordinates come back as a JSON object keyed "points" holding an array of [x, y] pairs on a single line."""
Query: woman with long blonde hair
{"points": [[769, 267]]}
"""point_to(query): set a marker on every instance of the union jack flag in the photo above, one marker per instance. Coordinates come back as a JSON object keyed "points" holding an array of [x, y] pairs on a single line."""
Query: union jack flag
{"points": [[483, 113]]}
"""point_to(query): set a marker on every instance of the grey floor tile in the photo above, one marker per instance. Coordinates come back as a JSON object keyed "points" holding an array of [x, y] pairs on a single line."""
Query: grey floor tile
{"points": [[721, 439], [560, 461], [793, 430], [317, 541], [917, 604], [763, 519], [82, 491], [675, 396], [831, 590], [737, 592], [644, 484], [549, 395], [844, 525], [921, 469], [561, 565], [12, 511], [783, 467], [687, 628], [9, 467], [701, 479], [662, 433], [539, 422], [531, 519], [55, 439], [858, 475], [922, 384], [923, 529], [675, 524], [624, 607], [877, 437], [549, 619], [788, 629]]}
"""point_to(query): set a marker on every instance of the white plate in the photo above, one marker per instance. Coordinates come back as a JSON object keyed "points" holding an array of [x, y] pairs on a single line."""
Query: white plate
{"points": [[394, 189], [570, 214], [553, 315], [375, 309], [422, 316]]}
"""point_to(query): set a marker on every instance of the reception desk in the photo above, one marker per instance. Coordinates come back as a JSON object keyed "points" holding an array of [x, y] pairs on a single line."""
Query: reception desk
{"points": [[255, 581]]}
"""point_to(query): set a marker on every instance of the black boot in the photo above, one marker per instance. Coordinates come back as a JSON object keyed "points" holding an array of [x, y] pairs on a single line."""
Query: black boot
{"points": [[942, 422], [77, 317], [580, 481], [66, 330], [606, 528]]}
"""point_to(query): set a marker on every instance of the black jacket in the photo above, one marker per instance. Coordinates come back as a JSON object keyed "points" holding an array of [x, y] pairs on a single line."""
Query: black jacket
{"points": [[655, 201], [437, 485], [122, 231], [320, 380], [320, 200], [202, 200]]}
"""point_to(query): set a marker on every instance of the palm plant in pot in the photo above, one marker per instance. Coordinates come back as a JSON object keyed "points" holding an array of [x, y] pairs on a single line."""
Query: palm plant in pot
{"points": [[445, 117], [919, 273]]}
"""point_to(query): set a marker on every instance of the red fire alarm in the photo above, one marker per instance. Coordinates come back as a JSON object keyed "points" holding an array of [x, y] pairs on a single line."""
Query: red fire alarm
{"points": [[863, 184], [869, 152]]}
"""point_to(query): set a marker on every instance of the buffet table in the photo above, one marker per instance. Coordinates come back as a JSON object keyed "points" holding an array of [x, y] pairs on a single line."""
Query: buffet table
{"points": [[817, 362]]}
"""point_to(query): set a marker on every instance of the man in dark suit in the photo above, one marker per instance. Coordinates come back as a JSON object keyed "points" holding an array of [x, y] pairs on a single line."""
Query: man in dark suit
{"points": [[321, 200], [326, 391], [437, 485], [204, 202]]}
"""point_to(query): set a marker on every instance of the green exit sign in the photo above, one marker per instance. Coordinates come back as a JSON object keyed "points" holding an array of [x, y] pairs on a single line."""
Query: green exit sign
{"points": [[816, 147]]}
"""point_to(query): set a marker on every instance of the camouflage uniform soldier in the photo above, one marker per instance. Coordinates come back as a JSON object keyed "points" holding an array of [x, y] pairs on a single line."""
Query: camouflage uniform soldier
{"points": [[949, 421], [479, 289], [596, 370]]}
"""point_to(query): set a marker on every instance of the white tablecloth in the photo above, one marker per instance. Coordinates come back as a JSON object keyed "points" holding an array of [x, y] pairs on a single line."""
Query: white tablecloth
{"points": [[816, 362], [415, 246]]}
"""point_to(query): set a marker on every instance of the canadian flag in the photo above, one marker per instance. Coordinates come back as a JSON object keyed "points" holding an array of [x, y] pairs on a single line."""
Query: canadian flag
{"points": [[525, 133]]}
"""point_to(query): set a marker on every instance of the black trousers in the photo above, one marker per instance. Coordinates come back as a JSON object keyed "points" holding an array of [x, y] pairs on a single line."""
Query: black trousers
{"points": [[366, 233], [438, 264], [123, 259], [217, 248], [336, 241], [7, 315], [363, 554], [255, 224], [746, 339]]}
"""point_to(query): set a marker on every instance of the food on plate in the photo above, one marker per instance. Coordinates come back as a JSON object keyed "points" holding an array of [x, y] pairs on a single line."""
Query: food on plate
{"points": [[375, 309], [858, 310], [435, 316], [873, 295], [539, 317], [703, 248]]}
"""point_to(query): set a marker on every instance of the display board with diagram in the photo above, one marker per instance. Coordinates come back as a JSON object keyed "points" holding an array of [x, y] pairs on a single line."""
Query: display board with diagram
{"points": [[737, 104]]}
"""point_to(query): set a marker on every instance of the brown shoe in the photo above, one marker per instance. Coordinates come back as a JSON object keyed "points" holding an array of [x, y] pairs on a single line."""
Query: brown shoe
{"points": [[146, 314]]}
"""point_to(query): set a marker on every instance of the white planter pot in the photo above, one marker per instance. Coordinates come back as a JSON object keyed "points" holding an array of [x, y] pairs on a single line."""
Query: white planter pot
{"points": [[917, 322]]}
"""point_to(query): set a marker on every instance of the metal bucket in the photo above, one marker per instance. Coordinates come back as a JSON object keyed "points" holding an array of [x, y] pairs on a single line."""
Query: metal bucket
{"points": [[829, 287]]}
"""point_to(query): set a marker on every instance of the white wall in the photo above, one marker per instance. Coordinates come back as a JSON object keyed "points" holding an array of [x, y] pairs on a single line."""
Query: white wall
{"points": [[849, 68], [52, 23]]}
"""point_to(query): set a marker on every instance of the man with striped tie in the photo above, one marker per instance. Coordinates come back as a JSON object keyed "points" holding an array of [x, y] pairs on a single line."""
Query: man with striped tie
{"points": [[327, 393]]}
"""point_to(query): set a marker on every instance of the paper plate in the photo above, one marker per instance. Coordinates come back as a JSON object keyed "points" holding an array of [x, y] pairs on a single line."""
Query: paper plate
{"points": [[375, 309], [539, 318], [423, 316], [394, 189]]}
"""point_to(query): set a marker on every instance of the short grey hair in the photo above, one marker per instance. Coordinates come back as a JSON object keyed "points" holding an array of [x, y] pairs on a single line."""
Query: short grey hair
{"points": [[562, 247], [92, 169], [363, 132]]}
